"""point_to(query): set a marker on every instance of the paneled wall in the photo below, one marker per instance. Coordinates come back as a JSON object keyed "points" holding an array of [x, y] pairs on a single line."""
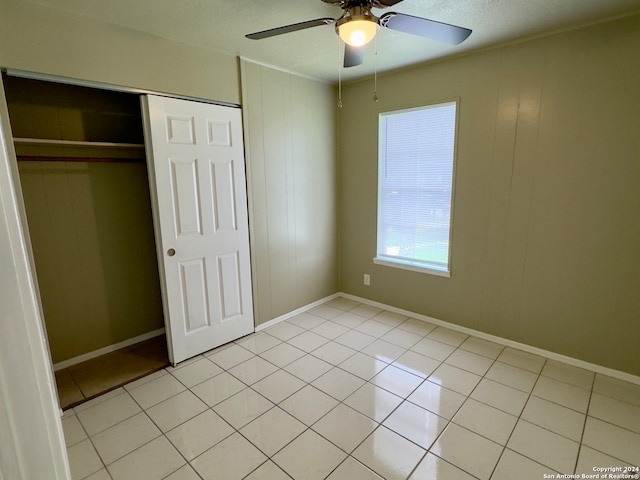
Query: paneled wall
{"points": [[291, 167], [546, 223]]}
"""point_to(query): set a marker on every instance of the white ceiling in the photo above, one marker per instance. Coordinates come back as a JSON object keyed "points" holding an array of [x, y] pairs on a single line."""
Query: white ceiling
{"points": [[221, 25]]}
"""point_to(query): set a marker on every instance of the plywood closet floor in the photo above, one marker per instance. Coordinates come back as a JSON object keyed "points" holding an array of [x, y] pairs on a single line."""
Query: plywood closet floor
{"points": [[99, 375]]}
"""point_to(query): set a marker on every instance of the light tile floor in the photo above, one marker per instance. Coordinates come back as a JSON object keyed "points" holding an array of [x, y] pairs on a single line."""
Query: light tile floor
{"points": [[347, 391]]}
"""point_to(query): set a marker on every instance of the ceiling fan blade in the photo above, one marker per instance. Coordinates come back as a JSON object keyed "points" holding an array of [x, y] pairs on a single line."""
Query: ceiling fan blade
{"points": [[423, 27], [294, 27], [353, 56], [384, 3]]}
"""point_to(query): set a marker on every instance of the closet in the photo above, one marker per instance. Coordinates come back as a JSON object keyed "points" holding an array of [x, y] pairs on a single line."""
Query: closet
{"points": [[84, 181]]}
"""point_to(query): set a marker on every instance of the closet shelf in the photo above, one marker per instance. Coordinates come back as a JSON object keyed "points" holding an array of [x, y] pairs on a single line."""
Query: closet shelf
{"points": [[75, 143]]}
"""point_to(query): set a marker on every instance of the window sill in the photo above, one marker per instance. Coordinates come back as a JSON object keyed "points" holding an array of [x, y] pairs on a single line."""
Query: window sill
{"points": [[414, 267]]}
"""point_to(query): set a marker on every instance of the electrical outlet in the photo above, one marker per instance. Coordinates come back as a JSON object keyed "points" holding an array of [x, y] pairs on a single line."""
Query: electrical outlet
{"points": [[367, 279]]}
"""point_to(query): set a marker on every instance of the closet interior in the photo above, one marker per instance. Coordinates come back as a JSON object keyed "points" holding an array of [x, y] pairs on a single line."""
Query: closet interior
{"points": [[83, 176]]}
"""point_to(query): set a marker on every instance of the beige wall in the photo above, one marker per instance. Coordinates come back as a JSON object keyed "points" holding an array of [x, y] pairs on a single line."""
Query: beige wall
{"points": [[290, 132], [43, 40], [546, 223]]}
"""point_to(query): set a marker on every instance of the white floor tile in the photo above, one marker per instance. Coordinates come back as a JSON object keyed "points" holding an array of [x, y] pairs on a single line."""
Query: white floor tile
{"points": [[469, 361], [363, 366], [73, 431], [448, 336], [283, 354], [232, 459], [416, 424], [522, 359], [419, 327], [416, 363], [197, 435], [354, 339], [374, 402], [402, 338], [156, 459], [622, 414], [309, 457], [612, 440], [308, 368], [218, 388], [176, 410], [186, 472], [268, 471], [278, 386], [252, 370], [123, 438], [384, 351], [390, 318], [338, 383], [333, 353], [618, 389], [468, 451], [455, 379], [230, 356], [511, 462], [156, 391], [309, 404], [343, 303], [351, 469], [367, 311], [554, 417], [568, 374], [482, 347], [273, 430], [562, 393], [439, 400], [259, 342], [433, 349], [242, 407], [350, 319], [398, 381], [306, 320], [388, 454], [512, 376], [308, 341], [83, 460], [487, 421], [326, 312], [100, 475], [500, 396], [374, 328], [196, 372], [108, 413], [434, 468], [285, 330], [543, 446], [590, 458], [345, 427], [330, 330]]}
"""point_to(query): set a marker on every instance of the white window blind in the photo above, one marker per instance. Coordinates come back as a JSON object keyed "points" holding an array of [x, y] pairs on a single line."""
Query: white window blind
{"points": [[415, 180]]}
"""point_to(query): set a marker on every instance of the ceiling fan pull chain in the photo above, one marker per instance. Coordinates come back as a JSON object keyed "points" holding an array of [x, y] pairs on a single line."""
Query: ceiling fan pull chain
{"points": [[339, 75], [375, 70]]}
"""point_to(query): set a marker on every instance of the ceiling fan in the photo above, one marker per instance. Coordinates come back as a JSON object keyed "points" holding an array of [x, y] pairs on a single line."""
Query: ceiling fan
{"points": [[357, 26]]}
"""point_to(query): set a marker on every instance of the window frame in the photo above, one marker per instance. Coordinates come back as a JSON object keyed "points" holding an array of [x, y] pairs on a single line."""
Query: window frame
{"points": [[407, 264]]}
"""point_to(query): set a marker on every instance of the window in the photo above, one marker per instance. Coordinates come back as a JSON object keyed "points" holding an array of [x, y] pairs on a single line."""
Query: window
{"points": [[415, 181]]}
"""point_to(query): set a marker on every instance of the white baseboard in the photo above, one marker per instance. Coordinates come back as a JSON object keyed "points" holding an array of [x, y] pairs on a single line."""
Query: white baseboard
{"points": [[627, 377], [108, 349], [297, 311]]}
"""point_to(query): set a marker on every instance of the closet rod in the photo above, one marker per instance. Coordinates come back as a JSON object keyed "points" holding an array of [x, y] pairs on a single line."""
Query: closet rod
{"points": [[76, 143], [28, 158]]}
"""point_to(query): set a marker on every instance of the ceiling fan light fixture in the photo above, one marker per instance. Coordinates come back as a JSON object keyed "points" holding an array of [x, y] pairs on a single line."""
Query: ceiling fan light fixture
{"points": [[357, 30]]}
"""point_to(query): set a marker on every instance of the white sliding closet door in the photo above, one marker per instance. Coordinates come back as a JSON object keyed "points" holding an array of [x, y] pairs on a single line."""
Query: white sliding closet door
{"points": [[197, 178]]}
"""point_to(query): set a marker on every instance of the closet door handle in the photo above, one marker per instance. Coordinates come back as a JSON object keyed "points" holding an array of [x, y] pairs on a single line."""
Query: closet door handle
{"points": [[171, 252]]}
